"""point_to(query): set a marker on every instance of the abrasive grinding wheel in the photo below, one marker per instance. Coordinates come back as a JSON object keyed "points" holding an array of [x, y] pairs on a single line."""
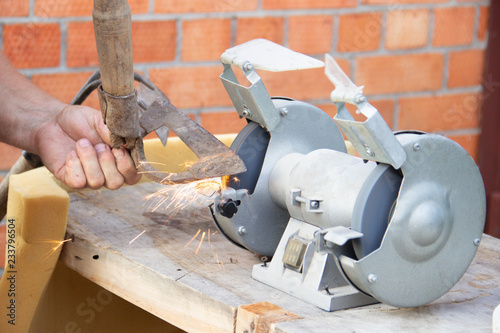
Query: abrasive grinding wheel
{"points": [[373, 208]]}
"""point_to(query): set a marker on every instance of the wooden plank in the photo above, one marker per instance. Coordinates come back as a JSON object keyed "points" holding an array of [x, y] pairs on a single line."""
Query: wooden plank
{"points": [[259, 317], [200, 290]]}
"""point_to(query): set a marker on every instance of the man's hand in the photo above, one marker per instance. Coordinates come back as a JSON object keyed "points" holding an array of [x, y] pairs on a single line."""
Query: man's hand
{"points": [[74, 146]]}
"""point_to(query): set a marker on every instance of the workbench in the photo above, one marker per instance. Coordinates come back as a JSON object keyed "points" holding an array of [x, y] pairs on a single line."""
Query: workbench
{"points": [[151, 258]]}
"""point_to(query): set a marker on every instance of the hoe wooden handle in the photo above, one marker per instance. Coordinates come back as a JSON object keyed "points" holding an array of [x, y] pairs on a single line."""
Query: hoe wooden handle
{"points": [[113, 34]]}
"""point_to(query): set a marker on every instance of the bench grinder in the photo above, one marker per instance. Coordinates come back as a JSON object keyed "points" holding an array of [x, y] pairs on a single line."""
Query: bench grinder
{"points": [[400, 224]]}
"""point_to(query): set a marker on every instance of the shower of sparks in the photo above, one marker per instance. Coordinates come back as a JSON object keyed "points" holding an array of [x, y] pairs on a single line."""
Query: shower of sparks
{"points": [[139, 235], [175, 197], [171, 199]]}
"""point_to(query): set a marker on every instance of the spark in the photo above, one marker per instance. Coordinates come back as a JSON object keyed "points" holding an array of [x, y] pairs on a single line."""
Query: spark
{"points": [[217, 259], [133, 269], [194, 237], [139, 235], [56, 247], [201, 241], [147, 162], [186, 165]]}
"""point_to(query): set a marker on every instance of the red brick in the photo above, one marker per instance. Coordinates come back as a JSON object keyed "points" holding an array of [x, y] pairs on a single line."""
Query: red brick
{"points": [[466, 68], [400, 73], [171, 134], [64, 8], [440, 113], [384, 106], [81, 47], [222, 122], [305, 85], [310, 34], [205, 39], [203, 6], [14, 8], [399, 2], [307, 4], [64, 86], [270, 28], [453, 26], [8, 156], [469, 142], [359, 32], [484, 14], [154, 41], [407, 29], [32, 45], [192, 87]]}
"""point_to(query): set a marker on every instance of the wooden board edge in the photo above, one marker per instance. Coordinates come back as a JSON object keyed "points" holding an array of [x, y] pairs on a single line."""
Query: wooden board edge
{"points": [[166, 298], [260, 317]]}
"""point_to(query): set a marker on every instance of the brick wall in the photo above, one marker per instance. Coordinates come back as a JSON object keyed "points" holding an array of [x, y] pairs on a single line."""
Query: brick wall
{"points": [[421, 61]]}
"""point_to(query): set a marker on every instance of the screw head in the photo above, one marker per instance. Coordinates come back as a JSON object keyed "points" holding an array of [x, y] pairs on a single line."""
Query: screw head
{"points": [[242, 230], [477, 241], [284, 111], [315, 204], [360, 98], [246, 113], [372, 278], [416, 146], [369, 152], [248, 66]]}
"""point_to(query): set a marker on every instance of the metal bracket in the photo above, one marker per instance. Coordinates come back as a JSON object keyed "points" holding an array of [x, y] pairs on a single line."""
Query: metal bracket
{"points": [[254, 102], [312, 205], [373, 139]]}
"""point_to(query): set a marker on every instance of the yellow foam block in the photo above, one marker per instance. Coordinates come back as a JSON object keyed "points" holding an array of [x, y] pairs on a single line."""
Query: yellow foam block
{"points": [[36, 223], [175, 156]]}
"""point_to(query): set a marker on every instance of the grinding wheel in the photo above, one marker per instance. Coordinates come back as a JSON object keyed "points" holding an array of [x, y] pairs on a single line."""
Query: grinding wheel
{"points": [[251, 146], [373, 208]]}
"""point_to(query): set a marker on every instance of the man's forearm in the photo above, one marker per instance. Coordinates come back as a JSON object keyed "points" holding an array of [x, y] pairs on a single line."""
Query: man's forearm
{"points": [[23, 107]]}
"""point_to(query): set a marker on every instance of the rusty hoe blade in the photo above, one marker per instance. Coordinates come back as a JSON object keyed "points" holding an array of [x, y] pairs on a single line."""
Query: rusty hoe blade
{"points": [[215, 158], [146, 95]]}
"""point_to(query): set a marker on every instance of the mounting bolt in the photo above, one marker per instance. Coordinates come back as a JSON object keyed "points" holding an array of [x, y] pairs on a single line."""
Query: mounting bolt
{"points": [[248, 66], [372, 278], [369, 152], [246, 113], [477, 241], [283, 111], [315, 204], [242, 230], [416, 146], [359, 98]]}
